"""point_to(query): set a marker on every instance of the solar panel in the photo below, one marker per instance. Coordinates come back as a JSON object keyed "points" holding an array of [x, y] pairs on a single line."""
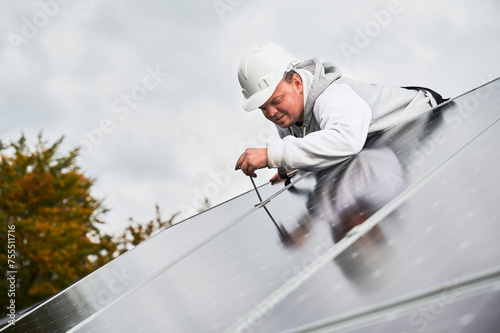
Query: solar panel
{"points": [[131, 270], [401, 237], [440, 237]]}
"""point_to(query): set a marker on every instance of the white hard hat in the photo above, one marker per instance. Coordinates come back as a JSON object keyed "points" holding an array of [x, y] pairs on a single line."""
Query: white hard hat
{"points": [[260, 71]]}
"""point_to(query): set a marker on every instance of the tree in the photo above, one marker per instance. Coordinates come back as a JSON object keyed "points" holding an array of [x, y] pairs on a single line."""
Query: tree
{"points": [[46, 200], [136, 232]]}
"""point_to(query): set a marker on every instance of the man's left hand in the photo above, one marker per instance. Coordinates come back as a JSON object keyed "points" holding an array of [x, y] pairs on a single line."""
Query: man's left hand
{"points": [[251, 160]]}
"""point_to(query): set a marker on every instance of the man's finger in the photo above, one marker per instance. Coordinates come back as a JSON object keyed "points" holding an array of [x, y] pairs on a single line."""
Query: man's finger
{"points": [[239, 162], [252, 173], [245, 167], [237, 165], [275, 177], [250, 169]]}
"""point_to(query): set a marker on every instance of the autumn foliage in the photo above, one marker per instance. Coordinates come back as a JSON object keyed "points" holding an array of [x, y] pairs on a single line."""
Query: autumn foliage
{"points": [[48, 200]]}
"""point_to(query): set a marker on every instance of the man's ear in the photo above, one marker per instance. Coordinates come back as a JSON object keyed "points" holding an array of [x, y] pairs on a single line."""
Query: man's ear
{"points": [[297, 83]]}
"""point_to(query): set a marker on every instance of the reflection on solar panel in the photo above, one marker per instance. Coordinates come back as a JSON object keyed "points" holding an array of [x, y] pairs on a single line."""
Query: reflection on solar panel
{"points": [[402, 237]]}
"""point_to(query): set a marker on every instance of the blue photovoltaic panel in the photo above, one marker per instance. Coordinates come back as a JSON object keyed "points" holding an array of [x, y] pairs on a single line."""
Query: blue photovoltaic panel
{"points": [[444, 233], [370, 245], [129, 271]]}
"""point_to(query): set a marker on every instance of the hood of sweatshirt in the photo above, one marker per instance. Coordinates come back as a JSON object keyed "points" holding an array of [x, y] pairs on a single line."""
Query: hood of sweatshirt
{"points": [[323, 75]]}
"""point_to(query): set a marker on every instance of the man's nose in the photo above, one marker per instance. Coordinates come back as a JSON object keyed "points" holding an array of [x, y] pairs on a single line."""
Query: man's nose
{"points": [[271, 111]]}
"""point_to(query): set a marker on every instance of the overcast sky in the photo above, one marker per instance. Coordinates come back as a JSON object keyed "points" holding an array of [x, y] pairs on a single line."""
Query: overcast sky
{"points": [[149, 89]]}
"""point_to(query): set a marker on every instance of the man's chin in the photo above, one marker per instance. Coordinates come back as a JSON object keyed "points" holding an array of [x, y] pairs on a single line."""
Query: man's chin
{"points": [[283, 124]]}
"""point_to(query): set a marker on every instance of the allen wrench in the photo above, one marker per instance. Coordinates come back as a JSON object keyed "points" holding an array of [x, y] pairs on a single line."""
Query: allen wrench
{"points": [[284, 234]]}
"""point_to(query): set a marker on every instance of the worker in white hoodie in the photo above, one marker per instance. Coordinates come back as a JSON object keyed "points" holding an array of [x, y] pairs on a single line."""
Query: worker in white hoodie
{"points": [[322, 117]]}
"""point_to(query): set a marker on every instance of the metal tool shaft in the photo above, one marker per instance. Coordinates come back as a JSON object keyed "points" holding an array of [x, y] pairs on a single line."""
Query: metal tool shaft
{"points": [[267, 211], [255, 187]]}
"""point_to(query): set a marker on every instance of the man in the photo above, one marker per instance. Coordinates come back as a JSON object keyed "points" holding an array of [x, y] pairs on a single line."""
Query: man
{"points": [[322, 117]]}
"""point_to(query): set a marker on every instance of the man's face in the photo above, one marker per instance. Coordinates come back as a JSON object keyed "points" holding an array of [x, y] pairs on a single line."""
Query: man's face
{"points": [[285, 107]]}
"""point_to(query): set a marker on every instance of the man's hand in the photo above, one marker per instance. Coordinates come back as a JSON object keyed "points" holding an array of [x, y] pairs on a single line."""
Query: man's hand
{"points": [[251, 160], [276, 179]]}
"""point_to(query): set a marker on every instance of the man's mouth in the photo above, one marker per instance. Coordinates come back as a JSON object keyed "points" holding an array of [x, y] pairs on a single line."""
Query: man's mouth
{"points": [[278, 119]]}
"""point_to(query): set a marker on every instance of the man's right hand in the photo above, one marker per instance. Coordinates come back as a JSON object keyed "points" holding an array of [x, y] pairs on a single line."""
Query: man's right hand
{"points": [[251, 160]]}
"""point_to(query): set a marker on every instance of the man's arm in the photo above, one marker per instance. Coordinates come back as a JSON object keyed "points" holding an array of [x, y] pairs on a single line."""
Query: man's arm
{"points": [[344, 119]]}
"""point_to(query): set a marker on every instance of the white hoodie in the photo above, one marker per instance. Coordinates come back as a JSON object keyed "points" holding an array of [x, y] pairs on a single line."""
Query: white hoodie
{"points": [[344, 112]]}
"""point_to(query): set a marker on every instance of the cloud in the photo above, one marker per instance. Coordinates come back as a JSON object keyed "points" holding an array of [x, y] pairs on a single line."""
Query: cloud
{"points": [[191, 126]]}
